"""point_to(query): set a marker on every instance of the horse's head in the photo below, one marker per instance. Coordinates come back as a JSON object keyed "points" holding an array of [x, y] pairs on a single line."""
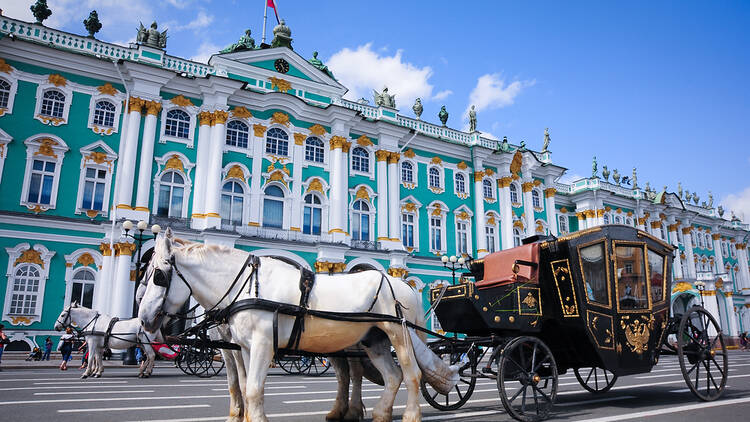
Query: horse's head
{"points": [[64, 319], [162, 295]]}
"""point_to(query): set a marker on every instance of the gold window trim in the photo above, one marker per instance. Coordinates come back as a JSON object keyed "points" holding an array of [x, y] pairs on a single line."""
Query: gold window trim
{"points": [[539, 300], [608, 281], [615, 244], [572, 288], [664, 275]]}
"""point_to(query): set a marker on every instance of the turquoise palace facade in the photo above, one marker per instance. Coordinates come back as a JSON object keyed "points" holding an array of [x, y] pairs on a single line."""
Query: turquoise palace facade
{"points": [[259, 150]]}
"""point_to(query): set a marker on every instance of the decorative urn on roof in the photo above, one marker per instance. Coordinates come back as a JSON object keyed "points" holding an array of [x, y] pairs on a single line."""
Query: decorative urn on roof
{"points": [[282, 36]]}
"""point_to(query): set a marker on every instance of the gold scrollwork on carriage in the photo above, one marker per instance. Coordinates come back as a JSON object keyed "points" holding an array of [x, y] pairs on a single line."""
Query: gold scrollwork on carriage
{"points": [[565, 289], [602, 329], [637, 331], [529, 301], [461, 290]]}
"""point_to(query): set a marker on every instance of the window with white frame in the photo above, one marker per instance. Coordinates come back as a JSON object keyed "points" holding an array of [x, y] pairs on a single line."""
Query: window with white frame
{"points": [[232, 203], [462, 236], [94, 188], [312, 215], [436, 233], [82, 288], [631, 222], [513, 193], [724, 250], [490, 237], [53, 104], [314, 150], [733, 250], [42, 179], [104, 113], [273, 207], [709, 242], [460, 183], [663, 233], [680, 237], [44, 157], [434, 179], [693, 239], [177, 124], [605, 218], [360, 160], [25, 292], [618, 219], [360, 220], [4, 93], [277, 142], [171, 195], [238, 134], [536, 199], [562, 223], [407, 229], [28, 270], [517, 237], [407, 172], [487, 189]]}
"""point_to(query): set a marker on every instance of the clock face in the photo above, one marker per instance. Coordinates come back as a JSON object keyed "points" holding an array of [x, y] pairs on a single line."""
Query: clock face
{"points": [[281, 65]]}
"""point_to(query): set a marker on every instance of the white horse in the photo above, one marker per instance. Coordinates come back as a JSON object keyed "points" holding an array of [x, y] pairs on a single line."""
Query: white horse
{"points": [[123, 334], [209, 272]]}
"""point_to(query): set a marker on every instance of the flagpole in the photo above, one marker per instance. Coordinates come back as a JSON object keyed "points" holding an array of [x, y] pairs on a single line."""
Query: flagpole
{"points": [[265, 16]]}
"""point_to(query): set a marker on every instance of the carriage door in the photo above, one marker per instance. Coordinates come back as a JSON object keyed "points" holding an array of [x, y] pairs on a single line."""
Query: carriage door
{"points": [[634, 321]]}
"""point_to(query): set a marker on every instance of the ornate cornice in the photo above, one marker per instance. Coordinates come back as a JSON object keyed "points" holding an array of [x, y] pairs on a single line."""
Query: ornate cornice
{"points": [[241, 112], [382, 155], [181, 101], [220, 117], [398, 272], [340, 142], [205, 117], [550, 192], [280, 118], [329, 267], [153, 108], [299, 138], [283, 85], [30, 256], [393, 157], [107, 89]]}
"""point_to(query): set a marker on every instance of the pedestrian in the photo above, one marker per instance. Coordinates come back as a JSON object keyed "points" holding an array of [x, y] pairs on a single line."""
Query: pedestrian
{"points": [[744, 341], [35, 354], [3, 341], [66, 348], [84, 349], [138, 354], [47, 348]]}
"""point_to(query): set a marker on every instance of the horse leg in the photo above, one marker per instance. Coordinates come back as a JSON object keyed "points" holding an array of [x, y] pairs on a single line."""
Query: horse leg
{"points": [[379, 352], [235, 393], [341, 367], [356, 409], [406, 359], [150, 359], [90, 365], [257, 361], [100, 364]]}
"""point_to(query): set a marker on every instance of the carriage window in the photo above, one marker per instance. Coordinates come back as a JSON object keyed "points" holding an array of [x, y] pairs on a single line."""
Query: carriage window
{"points": [[594, 269], [631, 278], [656, 274]]}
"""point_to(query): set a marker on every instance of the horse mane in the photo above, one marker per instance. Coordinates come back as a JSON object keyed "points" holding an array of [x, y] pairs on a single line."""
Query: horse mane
{"points": [[200, 251]]}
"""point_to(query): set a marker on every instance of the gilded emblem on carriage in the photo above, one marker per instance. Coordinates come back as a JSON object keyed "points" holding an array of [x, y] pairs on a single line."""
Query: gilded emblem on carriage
{"points": [[530, 301], [638, 332], [601, 328]]}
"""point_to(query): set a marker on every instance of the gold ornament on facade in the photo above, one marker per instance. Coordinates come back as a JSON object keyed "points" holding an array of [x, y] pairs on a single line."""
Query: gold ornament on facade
{"points": [[235, 172], [282, 85], [277, 176], [716, 236], [181, 101], [463, 215], [259, 130], [136, 104], [600, 213], [92, 213], [220, 117], [409, 153], [489, 172], [550, 192], [437, 211], [30, 256], [299, 138], [241, 113], [686, 230], [329, 267], [99, 158], [124, 248], [205, 118], [564, 210], [286, 170], [57, 80], [398, 273], [437, 161], [174, 163], [491, 221], [518, 224], [5, 67], [462, 165], [527, 186], [48, 120], [20, 320], [364, 141], [45, 147], [317, 130], [409, 207], [315, 185], [85, 259], [339, 142], [515, 164], [478, 176], [105, 249], [590, 213], [153, 108], [102, 130], [504, 182], [382, 155], [362, 193], [107, 89], [393, 158]]}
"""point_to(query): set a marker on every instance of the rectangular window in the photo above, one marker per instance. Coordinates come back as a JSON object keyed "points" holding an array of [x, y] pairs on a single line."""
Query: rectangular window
{"points": [[407, 230], [563, 224], [594, 269], [93, 189], [490, 235], [656, 276], [463, 237], [311, 221], [436, 234], [630, 271], [24, 296], [42, 178]]}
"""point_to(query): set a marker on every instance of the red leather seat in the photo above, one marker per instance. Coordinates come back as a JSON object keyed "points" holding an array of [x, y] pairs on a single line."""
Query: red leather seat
{"points": [[498, 267]]}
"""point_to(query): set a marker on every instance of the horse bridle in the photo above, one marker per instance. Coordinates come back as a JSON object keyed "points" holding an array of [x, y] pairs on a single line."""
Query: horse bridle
{"points": [[66, 322]]}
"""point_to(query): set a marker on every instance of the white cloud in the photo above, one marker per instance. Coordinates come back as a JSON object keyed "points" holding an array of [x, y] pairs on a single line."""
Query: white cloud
{"points": [[205, 51], [492, 92], [201, 21], [739, 203], [570, 178], [18, 10], [364, 69], [442, 94]]}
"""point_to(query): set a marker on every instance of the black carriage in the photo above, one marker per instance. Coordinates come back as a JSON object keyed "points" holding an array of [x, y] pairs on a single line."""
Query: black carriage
{"points": [[596, 301]]}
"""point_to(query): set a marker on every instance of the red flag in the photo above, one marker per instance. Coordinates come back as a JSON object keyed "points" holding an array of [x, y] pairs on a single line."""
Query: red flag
{"points": [[272, 5]]}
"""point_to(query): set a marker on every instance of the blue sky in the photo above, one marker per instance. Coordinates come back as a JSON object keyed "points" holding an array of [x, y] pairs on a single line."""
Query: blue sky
{"points": [[656, 85]]}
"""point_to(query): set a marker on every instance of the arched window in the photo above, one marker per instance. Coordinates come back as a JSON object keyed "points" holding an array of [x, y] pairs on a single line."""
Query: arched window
{"points": [[460, 183], [536, 199], [104, 114], [312, 215], [53, 103], [436, 233], [238, 134], [360, 160], [25, 293], [513, 193], [664, 233], [232, 200], [709, 242], [630, 222], [277, 142], [82, 290], [562, 223], [177, 124], [606, 218], [4, 93], [361, 221], [171, 195], [273, 207], [516, 237], [489, 193], [434, 178], [314, 149], [618, 220], [407, 172]]}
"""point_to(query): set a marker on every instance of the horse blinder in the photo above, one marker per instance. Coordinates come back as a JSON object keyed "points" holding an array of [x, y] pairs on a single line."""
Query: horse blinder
{"points": [[161, 278]]}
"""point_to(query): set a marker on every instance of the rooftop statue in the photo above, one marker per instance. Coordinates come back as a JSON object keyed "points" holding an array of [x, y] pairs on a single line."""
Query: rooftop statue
{"points": [[546, 140], [616, 176], [472, 119], [384, 99], [319, 65], [522, 147], [605, 173], [688, 196], [246, 42], [635, 179], [92, 23], [710, 199], [504, 147], [40, 10], [282, 36], [648, 187], [417, 108], [720, 210], [443, 115], [152, 37], [679, 189], [696, 198], [593, 168]]}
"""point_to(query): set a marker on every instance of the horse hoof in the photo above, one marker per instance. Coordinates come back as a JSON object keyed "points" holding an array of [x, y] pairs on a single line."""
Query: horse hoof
{"points": [[98, 376], [84, 376]]}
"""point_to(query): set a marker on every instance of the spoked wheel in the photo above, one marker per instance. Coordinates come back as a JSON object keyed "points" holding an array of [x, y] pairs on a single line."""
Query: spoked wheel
{"points": [[295, 365], [527, 379], [199, 360], [215, 365], [182, 360], [595, 380], [319, 365], [702, 354], [463, 389]]}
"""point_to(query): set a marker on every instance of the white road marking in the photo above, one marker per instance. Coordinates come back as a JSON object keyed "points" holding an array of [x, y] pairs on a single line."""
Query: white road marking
{"points": [[115, 409], [273, 388], [77, 379], [81, 400], [657, 412], [57, 393], [452, 416], [603, 400], [53, 379]]}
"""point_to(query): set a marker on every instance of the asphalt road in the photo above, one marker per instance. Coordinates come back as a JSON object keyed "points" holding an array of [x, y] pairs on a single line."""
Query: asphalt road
{"points": [[50, 395]]}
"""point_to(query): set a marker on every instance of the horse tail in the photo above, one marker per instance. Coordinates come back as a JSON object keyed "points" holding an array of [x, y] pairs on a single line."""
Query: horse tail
{"points": [[441, 376]]}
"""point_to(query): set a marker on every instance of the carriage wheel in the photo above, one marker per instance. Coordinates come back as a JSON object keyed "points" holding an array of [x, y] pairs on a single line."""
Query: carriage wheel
{"points": [[295, 365], [182, 360], [199, 360], [215, 366], [319, 365], [595, 380], [527, 379], [698, 352], [463, 389]]}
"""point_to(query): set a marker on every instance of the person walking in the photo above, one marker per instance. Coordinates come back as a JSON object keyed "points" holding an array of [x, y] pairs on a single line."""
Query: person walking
{"points": [[84, 349], [744, 346], [3, 341], [47, 348], [66, 348]]}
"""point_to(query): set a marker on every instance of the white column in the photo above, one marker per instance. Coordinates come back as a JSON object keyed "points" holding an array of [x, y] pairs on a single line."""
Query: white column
{"points": [[381, 157], [528, 207], [506, 212], [339, 184], [656, 229], [104, 287], [122, 292], [744, 271], [710, 303], [677, 262], [732, 316], [549, 199], [126, 165], [198, 216], [689, 256], [147, 156], [480, 235], [213, 175], [257, 146], [718, 257], [298, 155], [394, 194]]}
